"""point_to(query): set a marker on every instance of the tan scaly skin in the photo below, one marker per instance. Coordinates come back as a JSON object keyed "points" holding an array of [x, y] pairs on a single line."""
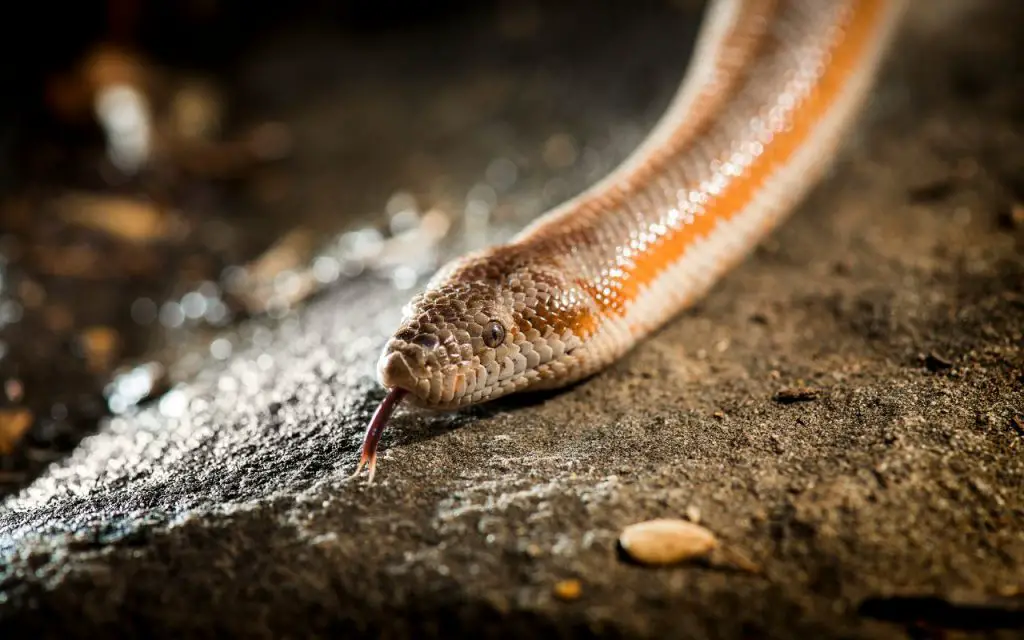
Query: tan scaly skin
{"points": [[772, 86]]}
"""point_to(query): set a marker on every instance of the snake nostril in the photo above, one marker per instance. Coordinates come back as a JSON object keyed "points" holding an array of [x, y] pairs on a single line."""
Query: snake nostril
{"points": [[426, 340]]}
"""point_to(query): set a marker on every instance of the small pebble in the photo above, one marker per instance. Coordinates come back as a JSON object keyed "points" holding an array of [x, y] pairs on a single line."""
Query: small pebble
{"points": [[666, 541], [796, 394], [693, 514], [568, 589], [935, 362]]}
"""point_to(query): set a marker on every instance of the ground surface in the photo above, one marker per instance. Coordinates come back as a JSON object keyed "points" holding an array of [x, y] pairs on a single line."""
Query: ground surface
{"points": [[897, 493]]}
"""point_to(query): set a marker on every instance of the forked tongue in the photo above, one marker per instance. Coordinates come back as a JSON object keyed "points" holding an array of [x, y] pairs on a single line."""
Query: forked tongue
{"points": [[376, 430]]}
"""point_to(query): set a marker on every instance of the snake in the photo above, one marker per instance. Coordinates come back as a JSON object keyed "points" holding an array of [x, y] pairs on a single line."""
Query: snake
{"points": [[768, 94]]}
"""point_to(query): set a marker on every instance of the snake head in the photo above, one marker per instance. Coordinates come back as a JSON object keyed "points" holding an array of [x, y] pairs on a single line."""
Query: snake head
{"points": [[468, 339]]}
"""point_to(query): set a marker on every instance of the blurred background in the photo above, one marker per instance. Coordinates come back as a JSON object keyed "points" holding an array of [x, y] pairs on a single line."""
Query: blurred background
{"points": [[169, 169]]}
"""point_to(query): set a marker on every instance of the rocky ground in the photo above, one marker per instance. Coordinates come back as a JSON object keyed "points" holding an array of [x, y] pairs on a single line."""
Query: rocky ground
{"points": [[888, 502]]}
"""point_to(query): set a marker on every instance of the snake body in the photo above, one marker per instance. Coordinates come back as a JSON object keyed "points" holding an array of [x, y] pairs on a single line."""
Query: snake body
{"points": [[771, 87]]}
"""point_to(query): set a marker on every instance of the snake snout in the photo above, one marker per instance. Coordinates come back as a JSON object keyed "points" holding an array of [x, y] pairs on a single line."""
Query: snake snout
{"points": [[394, 371]]}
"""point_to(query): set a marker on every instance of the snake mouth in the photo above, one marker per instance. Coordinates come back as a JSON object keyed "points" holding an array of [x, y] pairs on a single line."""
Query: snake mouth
{"points": [[443, 387], [396, 371]]}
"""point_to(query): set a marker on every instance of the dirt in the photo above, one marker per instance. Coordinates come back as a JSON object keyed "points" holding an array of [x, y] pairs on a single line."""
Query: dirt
{"points": [[844, 410]]}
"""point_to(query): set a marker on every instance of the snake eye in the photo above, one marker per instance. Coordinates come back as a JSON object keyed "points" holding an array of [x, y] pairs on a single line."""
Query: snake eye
{"points": [[494, 334]]}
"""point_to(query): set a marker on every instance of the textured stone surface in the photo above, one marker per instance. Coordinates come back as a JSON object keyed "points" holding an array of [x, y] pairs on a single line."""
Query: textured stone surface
{"points": [[897, 292]]}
